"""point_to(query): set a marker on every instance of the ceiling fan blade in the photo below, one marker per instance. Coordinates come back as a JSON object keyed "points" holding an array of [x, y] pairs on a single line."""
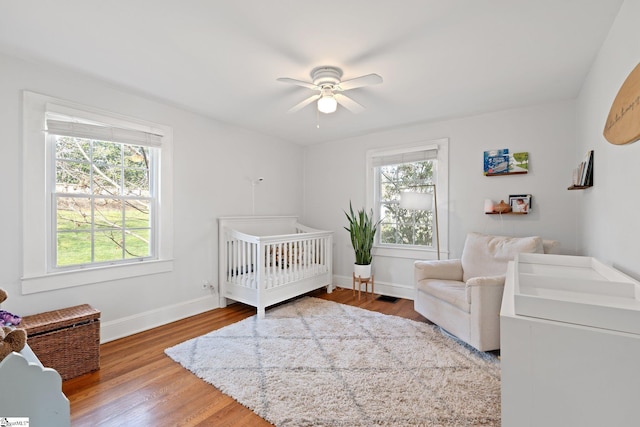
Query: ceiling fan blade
{"points": [[304, 103], [298, 83], [348, 103], [368, 80]]}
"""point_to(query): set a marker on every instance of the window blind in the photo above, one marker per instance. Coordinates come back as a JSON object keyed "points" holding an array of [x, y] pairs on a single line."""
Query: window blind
{"points": [[103, 133], [397, 158]]}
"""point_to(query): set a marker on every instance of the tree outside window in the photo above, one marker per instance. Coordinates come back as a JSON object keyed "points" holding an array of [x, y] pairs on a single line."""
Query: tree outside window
{"points": [[401, 226], [103, 201]]}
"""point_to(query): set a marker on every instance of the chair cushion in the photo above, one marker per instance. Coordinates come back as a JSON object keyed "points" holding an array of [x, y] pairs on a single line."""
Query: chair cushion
{"points": [[550, 246], [452, 291], [487, 255]]}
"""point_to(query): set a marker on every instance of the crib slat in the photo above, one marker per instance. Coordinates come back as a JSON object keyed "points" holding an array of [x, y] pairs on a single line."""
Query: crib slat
{"points": [[227, 262], [241, 257]]}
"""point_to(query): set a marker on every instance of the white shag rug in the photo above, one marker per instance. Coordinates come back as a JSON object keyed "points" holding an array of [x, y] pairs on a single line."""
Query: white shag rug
{"points": [[314, 362]]}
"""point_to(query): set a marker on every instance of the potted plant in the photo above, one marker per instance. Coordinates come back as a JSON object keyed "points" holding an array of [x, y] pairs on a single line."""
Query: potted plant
{"points": [[362, 230]]}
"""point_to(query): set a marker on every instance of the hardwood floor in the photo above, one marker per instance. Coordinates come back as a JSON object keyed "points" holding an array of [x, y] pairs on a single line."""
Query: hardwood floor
{"points": [[138, 385]]}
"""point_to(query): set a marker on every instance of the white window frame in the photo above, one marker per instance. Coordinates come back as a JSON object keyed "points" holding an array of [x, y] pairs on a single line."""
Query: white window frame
{"points": [[78, 127], [442, 186], [37, 276]]}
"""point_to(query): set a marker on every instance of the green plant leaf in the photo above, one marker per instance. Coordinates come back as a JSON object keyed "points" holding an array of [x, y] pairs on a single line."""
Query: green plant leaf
{"points": [[362, 231]]}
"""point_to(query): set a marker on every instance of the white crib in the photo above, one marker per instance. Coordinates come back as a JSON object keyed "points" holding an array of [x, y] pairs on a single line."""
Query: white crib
{"points": [[264, 260]]}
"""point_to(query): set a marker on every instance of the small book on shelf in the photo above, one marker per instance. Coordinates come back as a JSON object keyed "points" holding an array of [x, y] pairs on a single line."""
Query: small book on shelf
{"points": [[583, 174], [588, 176]]}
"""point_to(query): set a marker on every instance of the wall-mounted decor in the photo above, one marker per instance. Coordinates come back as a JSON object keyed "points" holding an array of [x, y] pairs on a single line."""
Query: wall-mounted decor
{"points": [[496, 161], [488, 206], [623, 122], [502, 207], [520, 203], [583, 174], [501, 162]]}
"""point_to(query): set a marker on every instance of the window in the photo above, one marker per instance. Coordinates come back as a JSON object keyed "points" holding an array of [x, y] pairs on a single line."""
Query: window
{"points": [[103, 195], [420, 169], [96, 195]]}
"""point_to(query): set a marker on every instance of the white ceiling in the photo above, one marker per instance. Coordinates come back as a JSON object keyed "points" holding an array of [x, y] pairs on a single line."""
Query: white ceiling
{"points": [[438, 58]]}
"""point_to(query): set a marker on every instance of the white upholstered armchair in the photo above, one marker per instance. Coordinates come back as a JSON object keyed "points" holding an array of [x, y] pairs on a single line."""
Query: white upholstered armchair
{"points": [[463, 296]]}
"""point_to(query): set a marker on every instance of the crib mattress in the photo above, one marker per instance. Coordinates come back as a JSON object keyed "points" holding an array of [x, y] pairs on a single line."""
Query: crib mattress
{"points": [[280, 276]]}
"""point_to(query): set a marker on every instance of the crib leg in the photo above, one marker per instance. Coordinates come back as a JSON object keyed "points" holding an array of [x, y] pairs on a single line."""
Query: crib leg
{"points": [[330, 288], [261, 313]]}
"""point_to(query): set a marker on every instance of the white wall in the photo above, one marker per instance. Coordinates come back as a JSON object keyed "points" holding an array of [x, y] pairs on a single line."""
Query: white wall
{"points": [[335, 174], [213, 164], [610, 229]]}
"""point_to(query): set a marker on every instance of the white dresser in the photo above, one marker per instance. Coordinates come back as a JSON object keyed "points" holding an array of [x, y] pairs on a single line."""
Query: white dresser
{"points": [[570, 344]]}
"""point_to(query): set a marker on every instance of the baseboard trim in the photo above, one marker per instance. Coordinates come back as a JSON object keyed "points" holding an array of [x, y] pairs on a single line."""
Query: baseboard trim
{"points": [[125, 326], [140, 322], [381, 288]]}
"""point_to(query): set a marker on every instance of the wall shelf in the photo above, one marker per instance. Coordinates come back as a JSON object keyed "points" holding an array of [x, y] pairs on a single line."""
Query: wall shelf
{"points": [[506, 173], [506, 213], [579, 187]]}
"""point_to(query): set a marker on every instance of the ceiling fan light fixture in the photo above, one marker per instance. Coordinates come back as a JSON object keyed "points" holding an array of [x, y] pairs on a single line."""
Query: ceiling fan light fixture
{"points": [[327, 104], [327, 81]]}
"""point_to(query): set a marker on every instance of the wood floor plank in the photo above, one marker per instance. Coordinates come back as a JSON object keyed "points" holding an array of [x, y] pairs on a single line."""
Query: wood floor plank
{"points": [[138, 385]]}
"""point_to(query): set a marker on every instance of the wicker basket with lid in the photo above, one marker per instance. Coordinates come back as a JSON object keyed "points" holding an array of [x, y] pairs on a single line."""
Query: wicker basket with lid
{"points": [[67, 340]]}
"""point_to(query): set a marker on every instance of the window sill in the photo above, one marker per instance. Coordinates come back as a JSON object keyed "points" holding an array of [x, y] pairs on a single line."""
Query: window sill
{"points": [[68, 279], [408, 253]]}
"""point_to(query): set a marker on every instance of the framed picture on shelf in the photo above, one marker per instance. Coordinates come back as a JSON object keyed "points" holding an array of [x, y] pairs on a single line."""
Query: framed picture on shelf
{"points": [[496, 161], [520, 203], [502, 162]]}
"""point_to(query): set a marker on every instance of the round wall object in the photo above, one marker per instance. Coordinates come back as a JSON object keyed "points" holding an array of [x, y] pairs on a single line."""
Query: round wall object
{"points": [[623, 122]]}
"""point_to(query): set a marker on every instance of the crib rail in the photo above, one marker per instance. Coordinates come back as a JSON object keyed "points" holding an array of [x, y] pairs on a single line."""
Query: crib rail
{"points": [[258, 262]]}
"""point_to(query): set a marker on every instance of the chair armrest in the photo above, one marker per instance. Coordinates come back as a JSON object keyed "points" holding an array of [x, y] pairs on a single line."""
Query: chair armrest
{"points": [[448, 269], [487, 281]]}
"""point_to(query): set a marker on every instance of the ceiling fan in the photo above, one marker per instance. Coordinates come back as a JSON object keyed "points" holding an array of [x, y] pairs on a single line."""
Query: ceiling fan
{"points": [[326, 80]]}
